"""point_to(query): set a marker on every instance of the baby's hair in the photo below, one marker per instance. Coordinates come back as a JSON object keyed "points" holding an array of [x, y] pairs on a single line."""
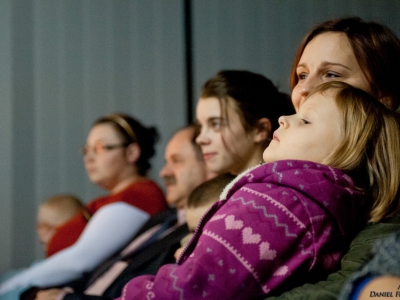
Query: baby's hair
{"points": [[369, 151], [208, 191], [66, 205]]}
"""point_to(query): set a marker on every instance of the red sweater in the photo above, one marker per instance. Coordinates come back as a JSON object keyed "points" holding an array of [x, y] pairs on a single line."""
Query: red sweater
{"points": [[144, 194]]}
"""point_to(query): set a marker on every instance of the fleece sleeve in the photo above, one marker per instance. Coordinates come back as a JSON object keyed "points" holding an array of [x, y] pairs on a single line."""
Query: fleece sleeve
{"points": [[109, 229]]}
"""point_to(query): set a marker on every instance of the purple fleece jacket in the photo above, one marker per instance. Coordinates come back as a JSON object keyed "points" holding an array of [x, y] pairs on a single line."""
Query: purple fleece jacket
{"points": [[275, 226]]}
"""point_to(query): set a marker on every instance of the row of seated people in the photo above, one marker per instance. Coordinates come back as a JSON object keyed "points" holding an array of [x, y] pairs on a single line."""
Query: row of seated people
{"points": [[276, 226]]}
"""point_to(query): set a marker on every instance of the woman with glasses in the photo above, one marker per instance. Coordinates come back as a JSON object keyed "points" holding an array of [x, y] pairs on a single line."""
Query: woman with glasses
{"points": [[116, 157]]}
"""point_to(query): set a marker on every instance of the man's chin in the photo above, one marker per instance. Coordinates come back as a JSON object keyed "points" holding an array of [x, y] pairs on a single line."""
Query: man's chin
{"points": [[171, 199], [180, 204], [176, 202]]}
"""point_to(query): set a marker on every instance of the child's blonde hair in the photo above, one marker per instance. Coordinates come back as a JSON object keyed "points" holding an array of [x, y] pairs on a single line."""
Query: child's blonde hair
{"points": [[370, 150]]}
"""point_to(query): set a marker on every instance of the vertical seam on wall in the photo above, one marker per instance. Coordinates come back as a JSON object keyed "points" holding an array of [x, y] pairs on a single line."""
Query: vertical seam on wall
{"points": [[188, 60]]}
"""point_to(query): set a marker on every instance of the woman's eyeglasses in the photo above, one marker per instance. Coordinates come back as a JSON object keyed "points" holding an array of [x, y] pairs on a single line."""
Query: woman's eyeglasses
{"points": [[99, 148]]}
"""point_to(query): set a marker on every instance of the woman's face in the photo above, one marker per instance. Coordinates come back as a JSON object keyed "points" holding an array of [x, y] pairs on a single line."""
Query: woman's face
{"points": [[215, 133], [105, 160], [327, 57]]}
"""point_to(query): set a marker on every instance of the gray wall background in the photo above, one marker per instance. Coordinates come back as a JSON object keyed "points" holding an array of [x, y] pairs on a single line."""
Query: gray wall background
{"points": [[64, 63]]}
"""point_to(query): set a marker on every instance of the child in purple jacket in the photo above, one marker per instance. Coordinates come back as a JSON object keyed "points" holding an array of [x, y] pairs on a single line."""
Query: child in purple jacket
{"points": [[279, 224]]}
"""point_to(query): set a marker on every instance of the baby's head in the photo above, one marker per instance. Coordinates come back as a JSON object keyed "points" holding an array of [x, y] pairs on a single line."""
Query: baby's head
{"points": [[200, 200], [203, 197], [346, 128], [54, 212]]}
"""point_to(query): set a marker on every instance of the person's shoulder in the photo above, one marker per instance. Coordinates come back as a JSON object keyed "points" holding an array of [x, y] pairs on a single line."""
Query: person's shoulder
{"points": [[146, 184], [375, 231], [359, 253], [361, 246], [146, 195]]}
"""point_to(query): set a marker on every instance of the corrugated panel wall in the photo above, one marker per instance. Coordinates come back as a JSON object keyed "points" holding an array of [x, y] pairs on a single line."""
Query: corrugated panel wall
{"points": [[65, 63]]}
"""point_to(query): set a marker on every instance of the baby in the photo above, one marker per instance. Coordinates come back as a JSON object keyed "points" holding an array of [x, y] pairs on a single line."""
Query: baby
{"points": [[54, 212], [199, 202]]}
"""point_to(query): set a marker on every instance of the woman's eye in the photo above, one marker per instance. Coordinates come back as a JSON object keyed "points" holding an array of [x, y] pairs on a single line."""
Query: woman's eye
{"points": [[332, 75], [302, 76], [305, 121], [99, 148], [216, 124]]}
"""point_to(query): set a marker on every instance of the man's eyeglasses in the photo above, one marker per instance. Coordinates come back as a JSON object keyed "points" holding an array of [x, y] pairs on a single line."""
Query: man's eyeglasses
{"points": [[99, 148]]}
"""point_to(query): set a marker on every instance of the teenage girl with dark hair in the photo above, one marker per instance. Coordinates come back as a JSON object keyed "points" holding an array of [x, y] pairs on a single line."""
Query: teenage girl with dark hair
{"points": [[237, 113]]}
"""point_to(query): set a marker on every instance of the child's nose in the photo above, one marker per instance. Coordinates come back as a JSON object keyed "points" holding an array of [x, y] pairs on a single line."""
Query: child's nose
{"points": [[283, 121]]}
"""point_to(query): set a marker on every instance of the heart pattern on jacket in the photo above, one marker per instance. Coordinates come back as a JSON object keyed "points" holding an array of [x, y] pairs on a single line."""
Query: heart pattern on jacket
{"points": [[231, 223], [265, 252], [249, 237]]}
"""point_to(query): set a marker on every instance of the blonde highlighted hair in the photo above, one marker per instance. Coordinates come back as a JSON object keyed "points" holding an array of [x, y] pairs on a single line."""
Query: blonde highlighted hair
{"points": [[370, 150]]}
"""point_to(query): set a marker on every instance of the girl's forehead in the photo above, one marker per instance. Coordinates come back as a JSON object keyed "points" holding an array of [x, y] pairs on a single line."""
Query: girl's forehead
{"points": [[208, 107], [213, 107]]}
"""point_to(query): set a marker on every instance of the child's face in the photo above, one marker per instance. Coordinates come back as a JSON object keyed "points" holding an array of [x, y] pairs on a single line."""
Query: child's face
{"points": [[193, 216], [47, 222], [312, 134]]}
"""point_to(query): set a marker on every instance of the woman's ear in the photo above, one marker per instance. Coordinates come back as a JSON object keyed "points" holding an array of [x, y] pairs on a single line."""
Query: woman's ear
{"points": [[263, 130], [133, 152]]}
